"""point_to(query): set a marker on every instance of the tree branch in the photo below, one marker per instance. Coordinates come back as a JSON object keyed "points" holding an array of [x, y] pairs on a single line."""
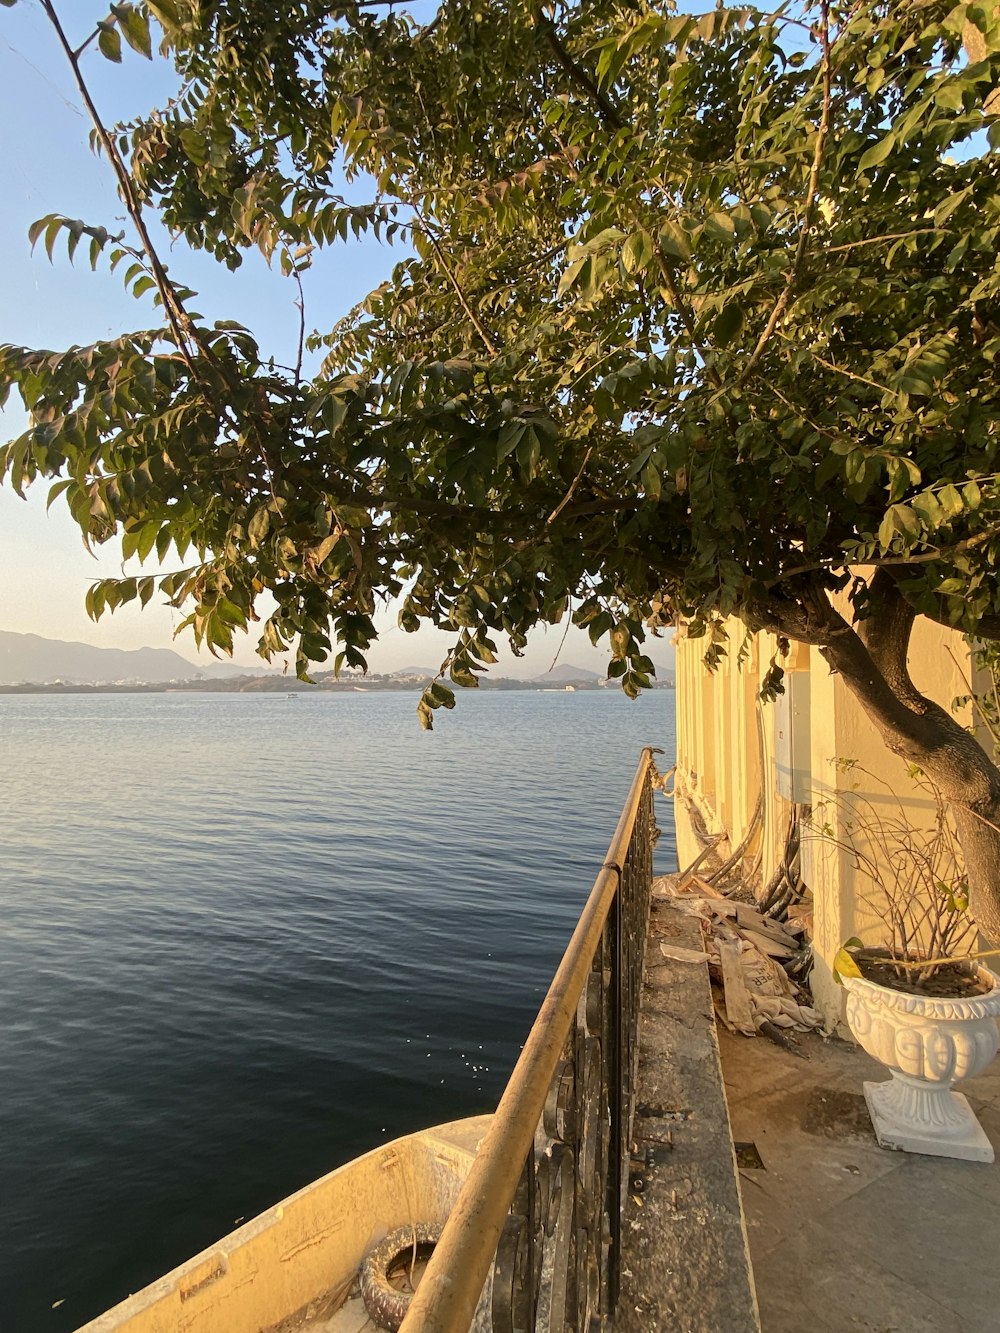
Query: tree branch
{"points": [[883, 562], [608, 111], [569, 494], [301, 303], [878, 240], [872, 661], [885, 631], [86, 42], [839, 370], [687, 319], [177, 316], [812, 190], [491, 346]]}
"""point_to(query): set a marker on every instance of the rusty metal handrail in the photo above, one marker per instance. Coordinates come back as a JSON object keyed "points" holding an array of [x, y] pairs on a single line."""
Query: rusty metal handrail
{"points": [[446, 1299]]}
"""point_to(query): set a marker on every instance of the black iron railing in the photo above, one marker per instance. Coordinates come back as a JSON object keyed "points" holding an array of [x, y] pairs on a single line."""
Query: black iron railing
{"points": [[538, 1221]]}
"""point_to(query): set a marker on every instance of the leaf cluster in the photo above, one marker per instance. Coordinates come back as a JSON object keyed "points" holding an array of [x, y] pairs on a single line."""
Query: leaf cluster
{"points": [[695, 314]]}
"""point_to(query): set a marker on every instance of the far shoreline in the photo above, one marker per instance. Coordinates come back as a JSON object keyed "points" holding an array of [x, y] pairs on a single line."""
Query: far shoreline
{"points": [[280, 685]]}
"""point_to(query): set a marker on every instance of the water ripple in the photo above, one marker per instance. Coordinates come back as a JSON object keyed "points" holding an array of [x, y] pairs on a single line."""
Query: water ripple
{"points": [[244, 941]]}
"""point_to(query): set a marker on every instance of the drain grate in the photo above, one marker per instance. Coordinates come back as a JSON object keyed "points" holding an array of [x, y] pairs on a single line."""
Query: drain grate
{"points": [[748, 1158]]}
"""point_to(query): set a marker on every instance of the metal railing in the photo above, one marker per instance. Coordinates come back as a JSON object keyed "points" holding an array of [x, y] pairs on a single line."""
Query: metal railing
{"points": [[538, 1220]]}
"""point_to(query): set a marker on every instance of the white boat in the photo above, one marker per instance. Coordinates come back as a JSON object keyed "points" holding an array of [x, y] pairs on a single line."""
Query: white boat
{"points": [[296, 1266]]}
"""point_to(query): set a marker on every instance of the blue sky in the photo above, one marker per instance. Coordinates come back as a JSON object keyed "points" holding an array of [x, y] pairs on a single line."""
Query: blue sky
{"points": [[47, 167]]}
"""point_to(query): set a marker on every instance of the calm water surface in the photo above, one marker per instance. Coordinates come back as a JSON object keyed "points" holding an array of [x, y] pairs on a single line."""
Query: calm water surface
{"points": [[245, 938]]}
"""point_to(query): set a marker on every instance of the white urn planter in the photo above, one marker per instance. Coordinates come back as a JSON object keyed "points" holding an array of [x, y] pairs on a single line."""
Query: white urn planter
{"points": [[928, 1043]]}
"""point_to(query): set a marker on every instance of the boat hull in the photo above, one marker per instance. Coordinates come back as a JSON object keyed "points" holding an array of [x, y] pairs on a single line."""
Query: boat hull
{"points": [[295, 1263]]}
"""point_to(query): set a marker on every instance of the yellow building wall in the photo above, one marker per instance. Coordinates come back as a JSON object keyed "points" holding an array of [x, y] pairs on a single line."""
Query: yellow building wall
{"points": [[727, 748]]}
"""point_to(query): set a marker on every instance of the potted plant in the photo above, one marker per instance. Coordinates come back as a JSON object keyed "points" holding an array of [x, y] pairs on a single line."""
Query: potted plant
{"points": [[920, 1001]]}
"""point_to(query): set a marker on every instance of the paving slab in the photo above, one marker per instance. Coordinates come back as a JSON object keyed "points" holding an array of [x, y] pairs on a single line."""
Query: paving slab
{"points": [[845, 1235], [855, 1293], [816, 1146], [934, 1237]]}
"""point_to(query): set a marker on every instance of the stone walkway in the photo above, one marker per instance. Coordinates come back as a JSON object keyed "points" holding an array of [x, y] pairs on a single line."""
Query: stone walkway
{"points": [[844, 1235]]}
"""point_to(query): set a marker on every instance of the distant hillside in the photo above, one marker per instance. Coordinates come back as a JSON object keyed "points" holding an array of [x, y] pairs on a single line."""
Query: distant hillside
{"points": [[565, 672], [28, 658], [418, 671]]}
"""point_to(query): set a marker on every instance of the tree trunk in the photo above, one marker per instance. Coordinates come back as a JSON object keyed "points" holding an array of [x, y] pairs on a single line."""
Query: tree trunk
{"points": [[872, 660]]}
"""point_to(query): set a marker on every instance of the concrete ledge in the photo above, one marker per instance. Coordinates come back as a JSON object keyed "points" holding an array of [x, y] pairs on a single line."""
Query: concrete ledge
{"points": [[685, 1260]]}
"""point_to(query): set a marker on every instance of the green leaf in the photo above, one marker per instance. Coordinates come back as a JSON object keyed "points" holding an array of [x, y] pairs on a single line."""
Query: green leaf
{"points": [[571, 275], [110, 42], [728, 323], [258, 526], [320, 552], [719, 227], [637, 252], [51, 232], [886, 531], [440, 694], [462, 676], [36, 229], [877, 153], [674, 241], [194, 145], [95, 601], [509, 438], [652, 481], [905, 521], [147, 540], [949, 95], [56, 490], [75, 232], [599, 626], [165, 11], [135, 28]]}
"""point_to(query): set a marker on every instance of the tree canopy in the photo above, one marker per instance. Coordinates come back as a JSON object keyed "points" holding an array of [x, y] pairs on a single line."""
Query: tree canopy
{"points": [[695, 315]]}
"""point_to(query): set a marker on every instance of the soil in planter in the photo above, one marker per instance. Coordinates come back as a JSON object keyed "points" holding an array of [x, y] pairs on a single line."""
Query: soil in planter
{"points": [[950, 981]]}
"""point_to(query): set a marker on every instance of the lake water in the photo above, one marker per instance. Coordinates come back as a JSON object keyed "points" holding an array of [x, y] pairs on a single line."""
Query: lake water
{"points": [[245, 938]]}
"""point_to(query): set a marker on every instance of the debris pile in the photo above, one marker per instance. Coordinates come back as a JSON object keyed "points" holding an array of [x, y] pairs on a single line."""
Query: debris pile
{"points": [[750, 958]]}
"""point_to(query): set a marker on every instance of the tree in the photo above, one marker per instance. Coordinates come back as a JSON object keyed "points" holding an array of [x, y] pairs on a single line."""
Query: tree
{"points": [[697, 317]]}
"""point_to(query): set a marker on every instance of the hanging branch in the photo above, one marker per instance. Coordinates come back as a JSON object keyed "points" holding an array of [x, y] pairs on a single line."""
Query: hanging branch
{"points": [[569, 494], [562, 641], [180, 322], [477, 324]]}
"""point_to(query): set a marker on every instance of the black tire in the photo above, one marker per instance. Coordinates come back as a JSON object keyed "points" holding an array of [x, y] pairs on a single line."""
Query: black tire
{"points": [[385, 1303]]}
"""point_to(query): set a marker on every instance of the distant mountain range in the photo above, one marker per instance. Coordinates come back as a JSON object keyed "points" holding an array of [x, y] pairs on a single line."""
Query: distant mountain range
{"points": [[30, 659], [566, 672]]}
